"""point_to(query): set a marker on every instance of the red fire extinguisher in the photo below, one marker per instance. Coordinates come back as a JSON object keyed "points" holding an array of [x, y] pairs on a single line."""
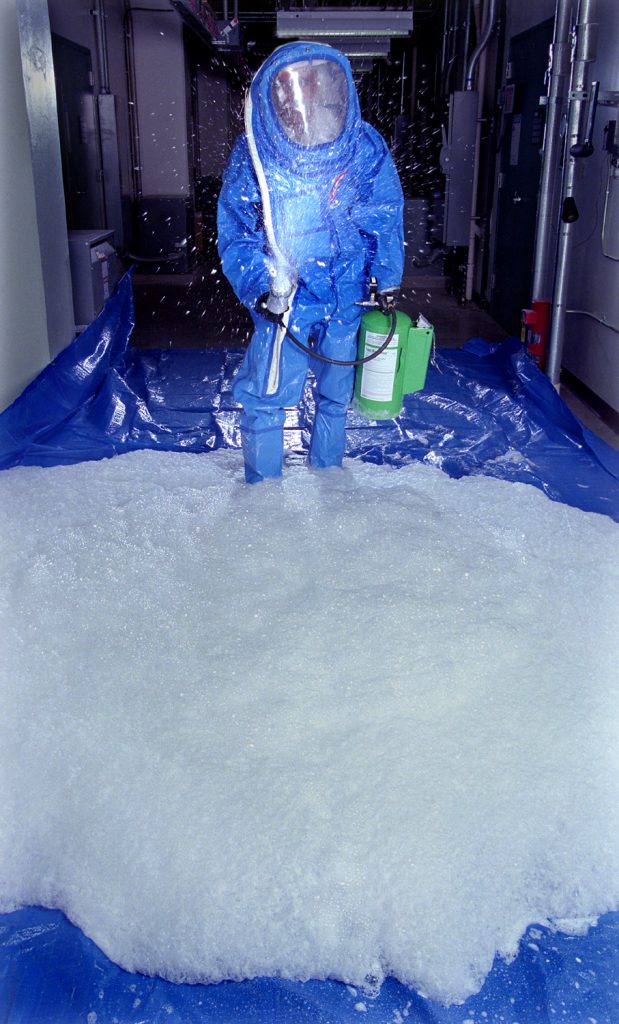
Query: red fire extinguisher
{"points": [[536, 331]]}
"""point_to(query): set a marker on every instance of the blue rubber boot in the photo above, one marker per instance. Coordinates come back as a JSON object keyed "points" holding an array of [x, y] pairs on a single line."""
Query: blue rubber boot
{"points": [[262, 438]]}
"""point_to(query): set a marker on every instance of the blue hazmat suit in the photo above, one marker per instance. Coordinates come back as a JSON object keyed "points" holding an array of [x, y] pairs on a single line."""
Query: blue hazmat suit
{"points": [[310, 196]]}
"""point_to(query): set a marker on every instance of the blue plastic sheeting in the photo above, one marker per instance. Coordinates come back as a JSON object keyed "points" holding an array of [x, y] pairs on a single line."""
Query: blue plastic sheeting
{"points": [[486, 409], [50, 972]]}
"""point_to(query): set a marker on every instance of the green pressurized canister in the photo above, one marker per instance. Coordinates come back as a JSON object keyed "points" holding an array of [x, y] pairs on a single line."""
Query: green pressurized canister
{"points": [[380, 385]]}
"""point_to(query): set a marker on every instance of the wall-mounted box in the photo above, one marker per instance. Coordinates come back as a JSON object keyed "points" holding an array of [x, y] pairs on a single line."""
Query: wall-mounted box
{"points": [[95, 271]]}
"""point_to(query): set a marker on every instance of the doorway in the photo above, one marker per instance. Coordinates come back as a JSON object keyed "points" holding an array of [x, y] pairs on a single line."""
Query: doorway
{"points": [[79, 136], [522, 138]]}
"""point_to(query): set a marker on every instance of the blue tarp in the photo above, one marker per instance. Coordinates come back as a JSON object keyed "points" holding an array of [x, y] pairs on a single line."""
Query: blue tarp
{"points": [[49, 972], [486, 409]]}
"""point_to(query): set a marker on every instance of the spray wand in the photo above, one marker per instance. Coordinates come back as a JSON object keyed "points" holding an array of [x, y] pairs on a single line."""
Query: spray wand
{"points": [[262, 307]]}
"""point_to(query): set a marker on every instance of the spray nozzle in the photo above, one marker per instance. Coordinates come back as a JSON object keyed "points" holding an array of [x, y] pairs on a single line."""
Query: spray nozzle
{"points": [[283, 279]]}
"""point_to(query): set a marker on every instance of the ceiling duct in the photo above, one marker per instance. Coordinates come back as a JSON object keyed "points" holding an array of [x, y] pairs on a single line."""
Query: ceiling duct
{"points": [[362, 33], [338, 21], [362, 48]]}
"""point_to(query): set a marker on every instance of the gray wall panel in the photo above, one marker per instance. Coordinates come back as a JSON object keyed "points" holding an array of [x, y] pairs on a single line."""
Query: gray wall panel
{"points": [[24, 349], [161, 101]]}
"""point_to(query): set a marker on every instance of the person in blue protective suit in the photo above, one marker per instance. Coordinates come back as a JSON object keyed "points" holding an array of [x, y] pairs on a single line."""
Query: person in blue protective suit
{"points": [[310, 209]]}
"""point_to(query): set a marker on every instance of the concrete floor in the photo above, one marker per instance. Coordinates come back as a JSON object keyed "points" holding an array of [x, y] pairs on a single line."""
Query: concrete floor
{"points": [[453, 323], [199, 310], [591, 419]]}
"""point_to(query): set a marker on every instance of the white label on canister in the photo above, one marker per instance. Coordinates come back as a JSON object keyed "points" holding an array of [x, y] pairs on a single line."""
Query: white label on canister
{"points": [[379, 374]]}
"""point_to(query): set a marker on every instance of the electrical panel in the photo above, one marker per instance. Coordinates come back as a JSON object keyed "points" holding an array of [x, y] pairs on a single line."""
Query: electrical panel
{"points": [[457, 162]]}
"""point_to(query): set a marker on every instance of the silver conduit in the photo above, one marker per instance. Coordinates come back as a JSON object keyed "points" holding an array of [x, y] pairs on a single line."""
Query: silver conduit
{"points": [[482, 44], [467, 33], [593, 316]]}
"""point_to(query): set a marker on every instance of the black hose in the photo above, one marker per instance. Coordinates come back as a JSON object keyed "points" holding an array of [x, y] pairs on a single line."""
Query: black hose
{"points": [[341, 362]]}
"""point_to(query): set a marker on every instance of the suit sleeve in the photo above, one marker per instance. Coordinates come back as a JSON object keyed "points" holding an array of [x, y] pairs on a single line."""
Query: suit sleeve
{"points": [[379, 213], [241, 237]]}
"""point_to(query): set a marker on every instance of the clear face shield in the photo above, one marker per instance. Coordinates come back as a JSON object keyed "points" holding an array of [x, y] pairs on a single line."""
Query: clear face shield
{"points": [[310, 99]]}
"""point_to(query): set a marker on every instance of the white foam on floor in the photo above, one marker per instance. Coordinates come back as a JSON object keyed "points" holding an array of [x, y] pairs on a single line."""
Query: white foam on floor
{"points": [[349, 724]]}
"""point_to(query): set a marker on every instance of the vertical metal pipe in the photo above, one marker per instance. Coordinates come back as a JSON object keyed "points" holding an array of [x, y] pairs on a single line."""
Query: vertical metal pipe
{"points": [[451, 11], [551, 151], [473, 228], [480, 51], [99, 15], [583, 53], [446, 31], [132, 92]]}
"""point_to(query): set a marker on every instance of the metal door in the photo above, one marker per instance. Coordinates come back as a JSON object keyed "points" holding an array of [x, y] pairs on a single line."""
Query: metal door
{"points": [[522, 139], [79, 139]]}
